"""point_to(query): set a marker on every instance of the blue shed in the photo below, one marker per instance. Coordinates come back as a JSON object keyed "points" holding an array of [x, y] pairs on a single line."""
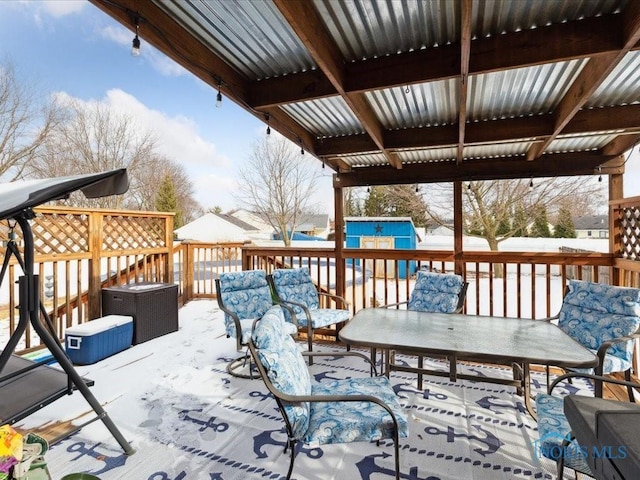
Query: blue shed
{"points": [[383, 232]]}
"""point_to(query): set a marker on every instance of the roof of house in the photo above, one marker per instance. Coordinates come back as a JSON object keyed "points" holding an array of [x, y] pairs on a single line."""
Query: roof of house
{"points": [[214, 227], [591, 222], [236, 221]]}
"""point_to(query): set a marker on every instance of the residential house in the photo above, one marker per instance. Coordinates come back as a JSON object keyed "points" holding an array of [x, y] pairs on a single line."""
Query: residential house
{"points": [[217, 228], [591, 226]]}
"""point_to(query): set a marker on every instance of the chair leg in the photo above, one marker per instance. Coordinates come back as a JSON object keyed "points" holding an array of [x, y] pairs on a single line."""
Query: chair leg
{"points": [[234, 367], [396, 446], [293, 458], [559, 468], [310, 341], [627, 377]]}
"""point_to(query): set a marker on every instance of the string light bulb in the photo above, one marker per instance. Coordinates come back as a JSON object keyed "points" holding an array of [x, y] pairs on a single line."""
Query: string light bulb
{"points": [[267, 117], [135, 44], [301, 146], [368, 189], [219, 95], [599, 173], [417, 189], [531, 183], [469, 185]]}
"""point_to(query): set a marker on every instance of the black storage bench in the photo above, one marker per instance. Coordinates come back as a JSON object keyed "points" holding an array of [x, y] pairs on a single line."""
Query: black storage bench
{"points": [[153, 306]]}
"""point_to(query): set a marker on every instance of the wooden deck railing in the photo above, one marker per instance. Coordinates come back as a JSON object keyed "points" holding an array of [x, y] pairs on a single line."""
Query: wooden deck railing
{"points": [[78, 252]]}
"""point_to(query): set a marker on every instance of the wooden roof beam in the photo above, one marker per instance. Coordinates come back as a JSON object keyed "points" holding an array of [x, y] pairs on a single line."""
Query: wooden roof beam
{"points": [[477, 133], [549, 165], [590, 78], [559, 42], [465, 51], [309, 27]]}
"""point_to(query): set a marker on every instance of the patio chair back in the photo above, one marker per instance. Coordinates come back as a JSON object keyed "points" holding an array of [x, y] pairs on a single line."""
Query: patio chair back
{"points": [[294, 288], [556, 437], [593, 313], [319, 413], [437, 292], [246, 295], [295, 285]]}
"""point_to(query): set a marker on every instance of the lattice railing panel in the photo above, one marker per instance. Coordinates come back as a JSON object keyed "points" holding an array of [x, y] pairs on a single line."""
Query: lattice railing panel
{"points": [[629, 219], [60, 233], [123, 232]]}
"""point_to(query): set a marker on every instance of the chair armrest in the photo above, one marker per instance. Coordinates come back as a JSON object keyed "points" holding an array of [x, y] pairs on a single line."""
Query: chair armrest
{"points": [[234, 317], [286, 303], [548, 319], [345, 303], [604, 346], [389, 305], [344, 354], [599, 378]]}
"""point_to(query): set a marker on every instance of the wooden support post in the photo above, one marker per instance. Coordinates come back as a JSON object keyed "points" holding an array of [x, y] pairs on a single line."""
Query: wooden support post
{"points": [[457, 228], [95, 249], [339, 239]]}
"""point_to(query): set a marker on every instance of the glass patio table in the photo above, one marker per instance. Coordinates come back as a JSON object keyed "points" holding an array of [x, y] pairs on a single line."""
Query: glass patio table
{"points": [[498, 340]]}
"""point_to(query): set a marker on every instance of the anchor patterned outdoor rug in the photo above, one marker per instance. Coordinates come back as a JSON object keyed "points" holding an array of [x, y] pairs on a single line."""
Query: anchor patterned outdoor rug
{"points": [[188, 419]]}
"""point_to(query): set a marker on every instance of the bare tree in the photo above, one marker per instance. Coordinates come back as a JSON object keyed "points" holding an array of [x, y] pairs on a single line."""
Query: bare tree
{"points": [[95, 138], [26, 120], [277, 182], [144, 187], [500, 209]]}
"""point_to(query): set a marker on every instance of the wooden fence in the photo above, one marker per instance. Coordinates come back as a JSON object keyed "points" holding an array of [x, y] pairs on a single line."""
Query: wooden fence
{"points": [[78, 252]]}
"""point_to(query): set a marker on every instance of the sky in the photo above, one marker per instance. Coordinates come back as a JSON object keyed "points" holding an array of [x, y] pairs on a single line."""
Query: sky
{"points": [[71, 47]]}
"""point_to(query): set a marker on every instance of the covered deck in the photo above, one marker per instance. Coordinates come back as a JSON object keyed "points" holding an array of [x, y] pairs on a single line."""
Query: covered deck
{"points": [[380, 93], [186, 417]]}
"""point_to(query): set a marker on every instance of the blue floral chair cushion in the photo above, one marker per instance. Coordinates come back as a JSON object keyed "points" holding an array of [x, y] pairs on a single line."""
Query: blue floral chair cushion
{"points": [[324, 422], [285, 367], [248, 295], [593, 313], [343, 422], [553, 428], [435, 292], [295, 285]]}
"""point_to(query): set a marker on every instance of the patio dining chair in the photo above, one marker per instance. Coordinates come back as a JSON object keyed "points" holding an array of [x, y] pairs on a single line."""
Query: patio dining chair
{"points": [[433, 292], [245, 297], [606, 320], [328, 412], [294, 288], [556, 437]]}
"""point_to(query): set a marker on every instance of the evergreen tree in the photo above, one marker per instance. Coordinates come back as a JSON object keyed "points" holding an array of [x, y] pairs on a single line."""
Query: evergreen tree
{"points": [[520, 222], [540, 226], [504, 227], [396, 201], [375, 205], [166, 200], [564, 227]]}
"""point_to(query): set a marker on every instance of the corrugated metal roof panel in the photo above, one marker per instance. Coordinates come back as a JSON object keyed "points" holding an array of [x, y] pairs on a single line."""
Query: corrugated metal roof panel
{"points": [[496, 150], [520, 92], [493, 17], [428, 155], [366, 29], [325, 117], [365, 160], [580, 143], [419, 105], [251, 36], [622, 86]]}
